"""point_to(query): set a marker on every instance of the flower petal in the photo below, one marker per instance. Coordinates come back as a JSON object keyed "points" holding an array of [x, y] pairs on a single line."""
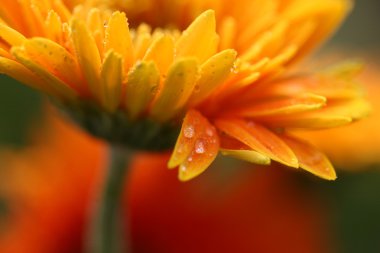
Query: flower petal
{"points": [[311, 159], [87, 54], [354, 108], [59, 87], [282, 106], [200, 38], [111, 80], [197, 146], [56, 59], [337, 113], [213, 72], [143, 81], [312, 120], [321, 84], [118, 38], [11, 36], [259, 139], [236, 149], [161, 51], [176, 90], [23, 75]]}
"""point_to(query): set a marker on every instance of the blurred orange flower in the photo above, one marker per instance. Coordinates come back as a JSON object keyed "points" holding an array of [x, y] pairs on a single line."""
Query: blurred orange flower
{"points": [[48, 191], [47, 188]]}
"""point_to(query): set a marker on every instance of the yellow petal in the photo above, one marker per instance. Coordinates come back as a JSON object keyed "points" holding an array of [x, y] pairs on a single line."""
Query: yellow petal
{"points": [[347, 70], [88, 55], [336, 113], [12, 37], [161, 52], [111, 80], [4, 53], [259, 139], [329, 14], [176, 90], [323, 85], [228, 32], [142, 41], [56, 84], [142, 85], [95, 24], [118, 38], [197, 146], [23, 75], [234, 148], [54, 26], [199, 39], [213, 72], [247, 155], [314, 120], [62, 10], [354, 108], [56, 59], [311, 159], [284, 106]]}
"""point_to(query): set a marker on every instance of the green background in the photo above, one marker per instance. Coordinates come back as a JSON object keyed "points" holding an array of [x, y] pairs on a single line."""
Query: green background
{"points": [[355, 198]]}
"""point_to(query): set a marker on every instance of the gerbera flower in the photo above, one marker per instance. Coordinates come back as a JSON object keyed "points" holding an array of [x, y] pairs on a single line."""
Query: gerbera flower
{"points": [[223, 75]]}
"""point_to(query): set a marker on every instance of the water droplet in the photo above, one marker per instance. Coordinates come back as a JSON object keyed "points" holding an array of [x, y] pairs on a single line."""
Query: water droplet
{"points": [[199, 147], [209, 131], [188, 132], [190, 159], [182, 168], [251, 124], [316, 159], [234, 69]]}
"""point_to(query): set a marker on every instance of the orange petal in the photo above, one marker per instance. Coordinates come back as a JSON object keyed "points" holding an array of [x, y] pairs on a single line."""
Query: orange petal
{"points": [[283, 106], [197, 146], [200, 39], [176, 90], [321, 84], [311, 159], [337, 113], [259, 139]]}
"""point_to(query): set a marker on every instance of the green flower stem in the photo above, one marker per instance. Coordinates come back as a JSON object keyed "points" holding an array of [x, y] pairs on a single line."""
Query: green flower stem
{"points": [[108, 235]]}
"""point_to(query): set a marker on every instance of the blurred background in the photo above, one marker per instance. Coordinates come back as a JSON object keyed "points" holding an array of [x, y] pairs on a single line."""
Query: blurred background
{"points": [[354, 198]]}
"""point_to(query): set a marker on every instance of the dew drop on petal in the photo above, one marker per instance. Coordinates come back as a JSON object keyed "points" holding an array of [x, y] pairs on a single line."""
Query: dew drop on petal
{"points": [[182, 168], [234, 69], [316, 159], [199, 147], [180, 148], [188, 132], [190, 159], [251, 124], [209, 132]]}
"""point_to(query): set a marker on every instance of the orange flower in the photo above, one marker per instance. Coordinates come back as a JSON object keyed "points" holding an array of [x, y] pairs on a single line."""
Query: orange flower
{"points": [[250, 210], [48, 189], [226, 75]]}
